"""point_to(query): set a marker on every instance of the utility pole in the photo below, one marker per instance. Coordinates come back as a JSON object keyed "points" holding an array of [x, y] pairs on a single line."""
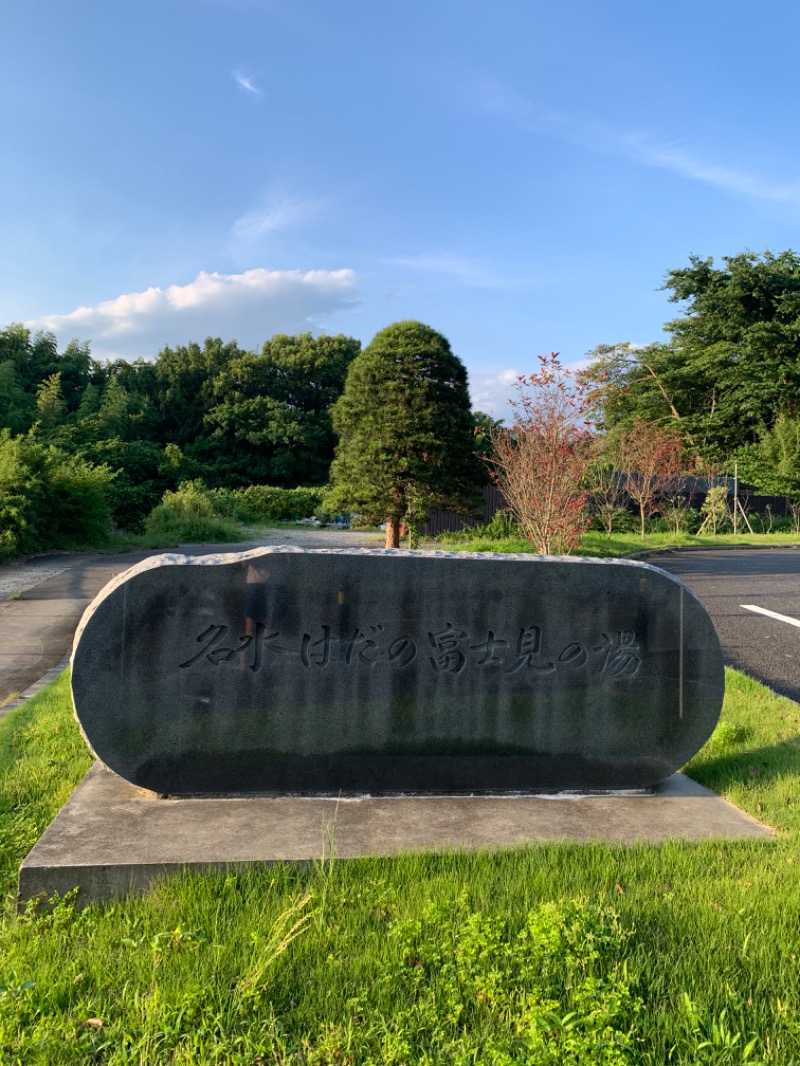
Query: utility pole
{"points": [[735, 497]]}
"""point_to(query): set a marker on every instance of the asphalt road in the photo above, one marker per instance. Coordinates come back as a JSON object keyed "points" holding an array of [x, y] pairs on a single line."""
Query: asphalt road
{"points": [[767, 648]]}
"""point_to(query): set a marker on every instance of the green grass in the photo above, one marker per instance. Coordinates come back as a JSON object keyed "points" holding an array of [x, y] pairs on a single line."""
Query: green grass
{"points": [[598, 544], [234, 532], [679, 953], [601, 546], [128, 542]]}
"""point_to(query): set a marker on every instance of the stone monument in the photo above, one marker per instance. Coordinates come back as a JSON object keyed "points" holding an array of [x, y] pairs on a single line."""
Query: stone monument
{"points": [[362, 671]]}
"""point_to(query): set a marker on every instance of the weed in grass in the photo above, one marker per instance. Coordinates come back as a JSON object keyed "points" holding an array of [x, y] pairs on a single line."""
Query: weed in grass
{"points": [[726, 735], [556, 991], [289, 925], [711, 1038]]}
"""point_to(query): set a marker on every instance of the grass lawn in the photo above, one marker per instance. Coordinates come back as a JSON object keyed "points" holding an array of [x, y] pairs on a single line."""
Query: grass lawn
{"points": [[601, 546], [678, 953], [226, 532]]}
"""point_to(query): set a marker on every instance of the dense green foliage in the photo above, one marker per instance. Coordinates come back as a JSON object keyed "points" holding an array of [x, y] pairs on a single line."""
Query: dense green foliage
{"points": [[682, 953], [273, 405], [729, 376], [406, 432], [230, 417], [271, 418], [49, 499], [266, 503], [188, 515], [727, 381], [773, 464]]}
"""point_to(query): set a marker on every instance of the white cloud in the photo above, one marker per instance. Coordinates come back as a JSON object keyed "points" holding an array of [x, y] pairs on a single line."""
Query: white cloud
{"points": [[498, 99], [691, 165], [245, 83], [249, 307], [466, 270], [490, 392], [275, 213], [681, 159]]}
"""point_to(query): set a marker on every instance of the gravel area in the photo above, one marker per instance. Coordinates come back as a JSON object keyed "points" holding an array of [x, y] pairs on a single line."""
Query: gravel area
{"points": [[324, 538], [16, 578]]}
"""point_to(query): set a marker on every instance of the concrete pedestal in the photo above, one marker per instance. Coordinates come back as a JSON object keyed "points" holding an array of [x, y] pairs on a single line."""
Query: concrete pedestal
{"points": [[110, 838]]}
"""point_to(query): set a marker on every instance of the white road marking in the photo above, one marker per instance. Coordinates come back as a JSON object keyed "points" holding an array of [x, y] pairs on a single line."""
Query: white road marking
{"points": [[771, 614]]}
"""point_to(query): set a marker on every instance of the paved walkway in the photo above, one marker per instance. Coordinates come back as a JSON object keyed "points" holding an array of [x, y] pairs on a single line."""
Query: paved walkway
{"points": [[42, 600]]}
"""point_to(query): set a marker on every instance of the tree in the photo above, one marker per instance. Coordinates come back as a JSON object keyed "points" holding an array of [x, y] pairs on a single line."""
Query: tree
{"points": [[651, 460], [406, 434], [541, 462], [50, 405], [17, 407], [605, 485], [637, 382], [732, 363], [141, 476], [184, 381], [484, 429], [773, 465], [715, 509], [38, 358], [272, 411]]}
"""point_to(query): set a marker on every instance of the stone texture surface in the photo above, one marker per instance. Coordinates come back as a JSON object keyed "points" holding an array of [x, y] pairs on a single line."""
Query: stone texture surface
{"points": [[370, 671], [110, 838]]}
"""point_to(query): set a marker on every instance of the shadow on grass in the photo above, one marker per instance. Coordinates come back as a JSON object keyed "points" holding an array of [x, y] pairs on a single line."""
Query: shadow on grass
{"points": [[724, 770]]}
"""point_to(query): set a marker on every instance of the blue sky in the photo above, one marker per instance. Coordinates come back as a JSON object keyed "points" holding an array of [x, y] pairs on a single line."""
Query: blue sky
{"points": [[519, 175]]}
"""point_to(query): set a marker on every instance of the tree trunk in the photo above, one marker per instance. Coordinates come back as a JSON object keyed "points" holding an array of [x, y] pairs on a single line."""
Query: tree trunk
{"points": [[392, 533]]}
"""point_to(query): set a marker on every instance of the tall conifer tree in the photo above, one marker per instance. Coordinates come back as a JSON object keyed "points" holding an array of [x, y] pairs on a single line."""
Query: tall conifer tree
{"points": [[406, 433]]}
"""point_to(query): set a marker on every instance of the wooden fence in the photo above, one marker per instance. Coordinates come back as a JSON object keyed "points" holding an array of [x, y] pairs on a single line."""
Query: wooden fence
{"points": [[494, 501]]}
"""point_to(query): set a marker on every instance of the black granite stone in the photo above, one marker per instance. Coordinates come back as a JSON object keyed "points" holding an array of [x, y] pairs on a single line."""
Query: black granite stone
{"points": [[283, 670]]}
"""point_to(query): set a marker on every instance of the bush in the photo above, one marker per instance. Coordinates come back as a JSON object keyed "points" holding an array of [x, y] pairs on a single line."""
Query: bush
{"points": [[542, 461], [266, 503], [50, 500], [677, 520], [188, 515], [771, 523], [141, 477], [83, 514], [622, 521], [8, 545], [500, 526], [131, 503]]}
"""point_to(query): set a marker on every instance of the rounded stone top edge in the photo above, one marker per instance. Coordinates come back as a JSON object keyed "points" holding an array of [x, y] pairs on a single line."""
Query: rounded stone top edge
{"points": [[231, 558], [155, 562], [228, 558], [225, 558]]}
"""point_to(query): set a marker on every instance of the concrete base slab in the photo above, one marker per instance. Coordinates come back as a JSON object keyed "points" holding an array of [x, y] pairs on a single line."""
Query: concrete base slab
{"points": [[111, 838]]}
